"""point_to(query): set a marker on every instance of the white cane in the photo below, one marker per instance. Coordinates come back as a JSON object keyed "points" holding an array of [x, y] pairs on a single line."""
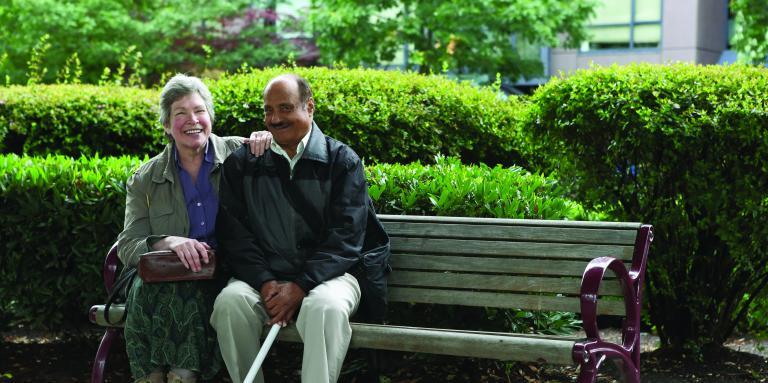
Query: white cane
{"points": [[262, 353]]}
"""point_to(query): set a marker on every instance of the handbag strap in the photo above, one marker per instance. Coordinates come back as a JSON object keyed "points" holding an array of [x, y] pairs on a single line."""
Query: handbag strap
{"points": [[122, 285]]}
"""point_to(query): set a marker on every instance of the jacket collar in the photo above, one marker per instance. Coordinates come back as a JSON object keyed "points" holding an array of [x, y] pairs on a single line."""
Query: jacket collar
{"points": [[316, 149], [166, 163]]}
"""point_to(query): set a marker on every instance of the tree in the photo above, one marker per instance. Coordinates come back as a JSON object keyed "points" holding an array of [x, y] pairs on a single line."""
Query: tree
{"points": [[485, 36], [750, 37], [170, 35]]}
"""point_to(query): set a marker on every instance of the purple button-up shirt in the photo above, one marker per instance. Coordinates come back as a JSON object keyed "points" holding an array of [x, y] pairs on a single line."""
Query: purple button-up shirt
{"points": [[201, 199]]}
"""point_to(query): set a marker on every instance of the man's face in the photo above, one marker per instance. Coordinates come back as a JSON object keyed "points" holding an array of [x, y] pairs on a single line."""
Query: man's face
{"points": [[284, 116]]}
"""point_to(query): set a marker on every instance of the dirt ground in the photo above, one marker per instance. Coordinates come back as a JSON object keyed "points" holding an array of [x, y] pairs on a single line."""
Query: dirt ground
{"points": [[26, 357]]}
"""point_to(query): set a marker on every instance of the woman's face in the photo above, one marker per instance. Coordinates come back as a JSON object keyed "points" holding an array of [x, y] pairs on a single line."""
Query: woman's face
{"points": [[190, 124]]}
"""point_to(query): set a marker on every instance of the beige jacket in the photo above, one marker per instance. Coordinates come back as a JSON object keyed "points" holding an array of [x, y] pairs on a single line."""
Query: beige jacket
{"points": [[154, 204]]}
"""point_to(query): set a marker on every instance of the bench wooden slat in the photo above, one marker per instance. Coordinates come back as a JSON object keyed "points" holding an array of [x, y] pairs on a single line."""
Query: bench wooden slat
{"points": [[385, 218], [512, 233], [399, 338], [488, 265], [477, 344], [510, 249], [496, 282], [499, 300]]}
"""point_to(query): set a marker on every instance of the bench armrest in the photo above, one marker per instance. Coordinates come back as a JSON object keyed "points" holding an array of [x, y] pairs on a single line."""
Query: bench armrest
{"points": [[590, 285], [631, 281]]}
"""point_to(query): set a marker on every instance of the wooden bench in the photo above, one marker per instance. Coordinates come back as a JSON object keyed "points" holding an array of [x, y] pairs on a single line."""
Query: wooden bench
{"points": [[500, 263]]}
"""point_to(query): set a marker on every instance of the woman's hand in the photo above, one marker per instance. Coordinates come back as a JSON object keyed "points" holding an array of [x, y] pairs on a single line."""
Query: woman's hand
{"points": [[190, 251], [259, 142]]}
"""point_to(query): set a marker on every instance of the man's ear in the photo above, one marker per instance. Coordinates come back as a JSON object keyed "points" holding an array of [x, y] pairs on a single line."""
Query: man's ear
{"points": [[311, 107]]}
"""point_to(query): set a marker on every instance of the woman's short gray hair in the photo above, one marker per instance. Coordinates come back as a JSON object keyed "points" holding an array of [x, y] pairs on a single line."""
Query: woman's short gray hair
{"points": [[177, 88]]}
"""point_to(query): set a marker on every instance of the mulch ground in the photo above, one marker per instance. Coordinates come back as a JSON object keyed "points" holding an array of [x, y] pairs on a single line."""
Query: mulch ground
{"points": [[42, 358]]}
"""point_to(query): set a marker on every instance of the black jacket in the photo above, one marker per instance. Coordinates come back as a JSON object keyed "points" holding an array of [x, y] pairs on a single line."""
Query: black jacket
{"points": [[308, 229]]}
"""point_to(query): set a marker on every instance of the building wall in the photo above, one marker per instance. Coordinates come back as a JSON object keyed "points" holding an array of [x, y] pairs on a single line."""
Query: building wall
{"points": [[691, 31]]}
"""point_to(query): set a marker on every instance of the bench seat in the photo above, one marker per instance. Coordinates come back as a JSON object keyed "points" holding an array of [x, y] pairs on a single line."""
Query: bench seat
{"points": [[476, 344]]}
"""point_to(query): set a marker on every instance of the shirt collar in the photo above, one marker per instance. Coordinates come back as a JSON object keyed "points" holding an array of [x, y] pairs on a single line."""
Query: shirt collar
{"points": [[299, 148], [208, 155]]}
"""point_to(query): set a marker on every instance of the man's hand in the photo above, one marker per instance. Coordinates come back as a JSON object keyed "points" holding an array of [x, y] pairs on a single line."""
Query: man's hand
{"points": [[190, 251], [281, 300], [259, 142], [268, 291]]}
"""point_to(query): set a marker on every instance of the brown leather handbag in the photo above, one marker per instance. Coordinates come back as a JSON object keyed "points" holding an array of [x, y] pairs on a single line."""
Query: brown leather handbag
{"points": [[165, 266]]}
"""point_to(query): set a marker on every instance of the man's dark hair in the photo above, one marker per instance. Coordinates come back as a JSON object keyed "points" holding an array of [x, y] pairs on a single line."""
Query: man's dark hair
{"points": [[305, 92]]}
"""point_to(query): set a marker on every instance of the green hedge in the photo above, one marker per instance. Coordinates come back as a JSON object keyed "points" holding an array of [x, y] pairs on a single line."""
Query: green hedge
{"points": [[386, 116], [59, 218], [78, 120], [684, 148], [449, 188], [60, 215]]}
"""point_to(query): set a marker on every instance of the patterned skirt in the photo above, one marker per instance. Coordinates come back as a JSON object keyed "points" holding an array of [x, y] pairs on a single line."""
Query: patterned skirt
{"points": [[168, 327]]}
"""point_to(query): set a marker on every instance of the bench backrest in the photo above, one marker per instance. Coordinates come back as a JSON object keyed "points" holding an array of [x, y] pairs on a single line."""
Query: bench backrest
{"points": [[506, 263]]}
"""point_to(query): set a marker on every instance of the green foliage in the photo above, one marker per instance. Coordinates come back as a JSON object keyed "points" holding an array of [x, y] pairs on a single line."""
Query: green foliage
{"points": [[755, 324], [684, 148], [449, 188], [36, 69], [750, 37], [3, 69], [386, 116], [72, 71], [129, 70], [61, 215], [456, 34], [169, 34], [538, 322], [78, 120]]}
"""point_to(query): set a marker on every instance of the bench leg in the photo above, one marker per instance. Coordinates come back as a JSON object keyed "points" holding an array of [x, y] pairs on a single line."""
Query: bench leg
{"points": [[588, 370], [100, 362], [374, 365]]}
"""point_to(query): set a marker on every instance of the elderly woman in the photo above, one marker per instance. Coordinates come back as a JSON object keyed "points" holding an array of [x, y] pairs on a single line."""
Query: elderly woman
{"points": [[172, 203]]}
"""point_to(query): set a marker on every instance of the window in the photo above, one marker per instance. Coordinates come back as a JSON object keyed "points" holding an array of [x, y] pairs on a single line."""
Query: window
{"points": [[624, 24]]}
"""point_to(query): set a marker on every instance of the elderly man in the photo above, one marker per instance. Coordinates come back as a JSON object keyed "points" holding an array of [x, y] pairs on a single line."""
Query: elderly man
{"points": [[291, 224]]}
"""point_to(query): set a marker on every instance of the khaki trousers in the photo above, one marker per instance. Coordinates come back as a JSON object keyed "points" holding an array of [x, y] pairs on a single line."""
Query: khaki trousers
{"points": [[323, 324]]}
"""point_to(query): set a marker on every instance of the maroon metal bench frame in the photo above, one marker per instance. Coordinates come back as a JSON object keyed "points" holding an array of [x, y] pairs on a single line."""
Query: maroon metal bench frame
{"points": [[109, 271], [592, 352]]}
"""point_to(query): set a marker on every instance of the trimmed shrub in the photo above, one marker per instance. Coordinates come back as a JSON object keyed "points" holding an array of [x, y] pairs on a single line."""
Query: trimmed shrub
{"points": [[449, 188], [385, 116], [78, 120], [682, 147], [60, 215]]}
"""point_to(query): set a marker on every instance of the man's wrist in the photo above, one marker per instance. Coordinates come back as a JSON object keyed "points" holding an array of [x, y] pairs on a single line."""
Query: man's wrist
{"points": [[305, 284]]}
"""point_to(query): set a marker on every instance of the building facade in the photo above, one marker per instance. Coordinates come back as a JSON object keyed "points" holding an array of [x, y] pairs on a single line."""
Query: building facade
{"points": [[654, 31]]}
